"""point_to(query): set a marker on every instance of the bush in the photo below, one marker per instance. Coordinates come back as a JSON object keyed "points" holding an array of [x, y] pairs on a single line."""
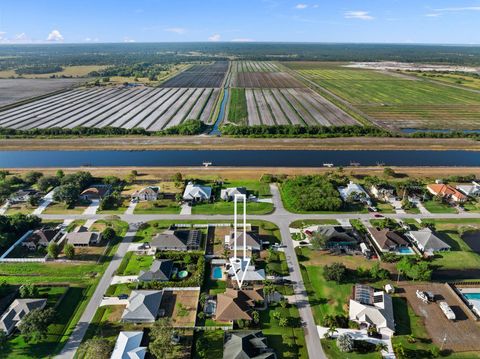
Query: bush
{"points": [[335, 272], [345, 343]]}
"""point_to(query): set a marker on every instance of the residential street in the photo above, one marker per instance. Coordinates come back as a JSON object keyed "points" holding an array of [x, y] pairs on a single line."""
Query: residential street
{"points": [[281, 217]]}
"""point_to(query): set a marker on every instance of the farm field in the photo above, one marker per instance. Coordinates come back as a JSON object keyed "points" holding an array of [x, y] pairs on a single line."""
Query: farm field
{"points": [[261, 74], [458, 79], [14, 90], [394, 100], [284, 106], [210, 75], [151, 108]]}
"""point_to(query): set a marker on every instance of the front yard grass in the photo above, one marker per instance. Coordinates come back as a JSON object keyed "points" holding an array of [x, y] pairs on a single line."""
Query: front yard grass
{"points": [[162, 206], [437, 207], [137, 263], [302, 223], [62, 208]]}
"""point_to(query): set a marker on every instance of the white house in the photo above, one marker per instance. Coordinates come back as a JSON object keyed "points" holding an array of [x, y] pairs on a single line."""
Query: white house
{"points": [[470, 190], [146, 194], [197, 193], [228, 194], [369, 308], [356, 191], [128, 346]]}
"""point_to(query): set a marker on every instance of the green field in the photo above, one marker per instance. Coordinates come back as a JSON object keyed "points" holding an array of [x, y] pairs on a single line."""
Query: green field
{"points": [[237, 110], [395, 100]]}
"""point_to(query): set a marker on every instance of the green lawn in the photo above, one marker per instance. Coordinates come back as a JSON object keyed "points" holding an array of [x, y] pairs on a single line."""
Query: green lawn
{"points": [[162, 206], [331, 350], [324, 297], [288, 341], [24, 273], [61, 208], [472, 206], [137, 263], [118, 210], [437, 207], [228, 208], [384, 207], [257, 188], [214, 340]]}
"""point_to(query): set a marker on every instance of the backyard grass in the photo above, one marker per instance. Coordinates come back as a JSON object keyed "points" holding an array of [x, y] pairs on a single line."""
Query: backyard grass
{"points": [[228, 208], [213, 339], [437, 207]]}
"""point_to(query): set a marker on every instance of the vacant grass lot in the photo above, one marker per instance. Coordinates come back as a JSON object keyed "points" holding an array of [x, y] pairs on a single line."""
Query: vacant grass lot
{"points": [[437, 207], [62, 208], [162, 206], [228, 208], [396, 101], [312, 222]]}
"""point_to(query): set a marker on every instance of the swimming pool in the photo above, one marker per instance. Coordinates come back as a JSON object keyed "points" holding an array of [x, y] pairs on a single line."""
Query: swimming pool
{"points": [[217, 273], [472, 295], [405, 250]]}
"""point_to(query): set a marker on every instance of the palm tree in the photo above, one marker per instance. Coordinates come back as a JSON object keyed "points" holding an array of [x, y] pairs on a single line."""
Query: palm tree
{"points": [[331, 331], [381, 346]]}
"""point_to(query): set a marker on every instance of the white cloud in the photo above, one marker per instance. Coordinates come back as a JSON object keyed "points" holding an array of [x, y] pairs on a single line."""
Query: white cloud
{"points": [[360, 15], [176, 30], [301, 6], [316, 6], [214, 37], [435, 14], [2, 35], [89, 39], [55, 36], [456, 9], [242, 39], [128, 39]]}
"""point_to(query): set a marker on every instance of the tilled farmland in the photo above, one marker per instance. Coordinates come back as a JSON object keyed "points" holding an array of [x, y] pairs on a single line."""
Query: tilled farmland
{"points": [[211, 75], [261, 74], [299, 106], [153, 109]]}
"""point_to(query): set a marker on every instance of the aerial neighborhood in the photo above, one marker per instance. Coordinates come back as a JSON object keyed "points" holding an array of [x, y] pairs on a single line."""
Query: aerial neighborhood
{"points": [[204, 283]]}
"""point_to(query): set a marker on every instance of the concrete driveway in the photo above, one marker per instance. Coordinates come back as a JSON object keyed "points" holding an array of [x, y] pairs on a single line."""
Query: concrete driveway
{"points": [[45, 203]]}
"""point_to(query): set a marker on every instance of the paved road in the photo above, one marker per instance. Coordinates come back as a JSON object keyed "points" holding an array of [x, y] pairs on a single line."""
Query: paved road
{"points": [[281, 217], [78, 333]]}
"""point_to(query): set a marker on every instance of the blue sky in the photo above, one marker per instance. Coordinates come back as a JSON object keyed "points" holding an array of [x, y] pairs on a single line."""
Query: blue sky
{"points": [[393, 21]]}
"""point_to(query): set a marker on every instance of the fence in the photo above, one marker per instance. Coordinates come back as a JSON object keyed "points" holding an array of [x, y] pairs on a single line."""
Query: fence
{"points": [[18, 260]]}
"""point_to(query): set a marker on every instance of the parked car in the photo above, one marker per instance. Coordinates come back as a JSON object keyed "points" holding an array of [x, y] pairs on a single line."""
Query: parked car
{"points": [[378, 215], [122, 296]]}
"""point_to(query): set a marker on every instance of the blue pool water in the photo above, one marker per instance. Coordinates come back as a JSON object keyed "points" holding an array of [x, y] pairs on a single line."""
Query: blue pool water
{"points": [[472, 295], [217, 273], [405, 250]]}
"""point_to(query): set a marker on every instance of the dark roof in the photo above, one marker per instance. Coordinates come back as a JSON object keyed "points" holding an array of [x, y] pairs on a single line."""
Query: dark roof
{"points": [[335, 234], [161, 270], [386, 238], [43, 235], [177, 239], [142, 306], [246, 345]]}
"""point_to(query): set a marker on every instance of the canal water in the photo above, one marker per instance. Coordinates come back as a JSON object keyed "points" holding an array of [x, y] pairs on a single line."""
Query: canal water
{"points": [[241, 158]]}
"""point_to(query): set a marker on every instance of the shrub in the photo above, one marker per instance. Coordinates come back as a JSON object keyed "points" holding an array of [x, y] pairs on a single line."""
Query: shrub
{"points": [[335, 272], [345, 343]]}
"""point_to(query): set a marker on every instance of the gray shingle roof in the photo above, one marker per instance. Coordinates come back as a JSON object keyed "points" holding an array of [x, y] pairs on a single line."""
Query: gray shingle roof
{"points": [[428, 240], [177, 239], [246, 345], [161, 270], [142, 306], [17, 310]]}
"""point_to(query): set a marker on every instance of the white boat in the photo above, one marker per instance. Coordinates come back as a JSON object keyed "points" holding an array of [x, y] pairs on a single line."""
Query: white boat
{"points": [[447, 311], [329, 165]]}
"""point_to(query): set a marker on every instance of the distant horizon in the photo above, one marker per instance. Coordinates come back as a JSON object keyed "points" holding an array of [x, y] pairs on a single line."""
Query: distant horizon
{"points": [[239, 43]]}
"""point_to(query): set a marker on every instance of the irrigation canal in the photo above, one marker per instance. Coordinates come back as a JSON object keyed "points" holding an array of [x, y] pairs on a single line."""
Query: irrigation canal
{"points": [[237, 158]]}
